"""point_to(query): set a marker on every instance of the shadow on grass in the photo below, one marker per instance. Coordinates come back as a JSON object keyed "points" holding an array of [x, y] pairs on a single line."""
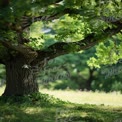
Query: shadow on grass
{"points": [[45, 108]]}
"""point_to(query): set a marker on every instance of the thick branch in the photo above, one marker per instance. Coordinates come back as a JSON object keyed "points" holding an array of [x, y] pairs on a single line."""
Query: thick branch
{"points": [[61, 48], [27, 52]]}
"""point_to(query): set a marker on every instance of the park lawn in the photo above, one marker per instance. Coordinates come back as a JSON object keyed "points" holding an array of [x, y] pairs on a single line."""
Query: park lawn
{"points": [[45, 108], [82, 97]]}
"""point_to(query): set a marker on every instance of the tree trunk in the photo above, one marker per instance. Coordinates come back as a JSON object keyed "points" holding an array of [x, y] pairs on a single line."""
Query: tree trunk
{"points": [[20, 78], [90, 79]]}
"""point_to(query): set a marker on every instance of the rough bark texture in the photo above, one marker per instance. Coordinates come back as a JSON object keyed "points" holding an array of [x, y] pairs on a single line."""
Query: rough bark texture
{"points": [[20, 78]]}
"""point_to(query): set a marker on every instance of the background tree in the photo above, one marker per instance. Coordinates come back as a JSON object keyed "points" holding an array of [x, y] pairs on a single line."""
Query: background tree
{"points": [[78, 25], [54, 75]]}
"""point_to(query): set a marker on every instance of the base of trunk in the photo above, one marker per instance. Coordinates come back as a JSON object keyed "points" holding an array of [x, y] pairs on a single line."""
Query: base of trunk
{"points": [[20, 80]]}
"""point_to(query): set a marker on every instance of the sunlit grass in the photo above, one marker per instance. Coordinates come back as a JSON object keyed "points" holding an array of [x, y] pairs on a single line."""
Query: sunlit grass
{"points": [[2, 90], [81, 97]]}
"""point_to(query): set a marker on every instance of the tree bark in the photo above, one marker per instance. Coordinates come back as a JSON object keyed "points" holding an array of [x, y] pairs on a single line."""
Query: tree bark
{"points": [[20, 78]]}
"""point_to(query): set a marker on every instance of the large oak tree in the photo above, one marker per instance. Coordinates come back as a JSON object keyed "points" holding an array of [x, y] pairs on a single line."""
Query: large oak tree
{"points": [[21, 58]]}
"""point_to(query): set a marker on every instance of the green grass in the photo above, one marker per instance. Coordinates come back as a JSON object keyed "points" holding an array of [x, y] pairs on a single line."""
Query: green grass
{"points": [[45, 108], [82, 97]]}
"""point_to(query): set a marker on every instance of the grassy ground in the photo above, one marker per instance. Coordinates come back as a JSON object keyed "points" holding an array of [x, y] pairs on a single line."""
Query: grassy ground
{"points": [[81, 97], [45, 108]]}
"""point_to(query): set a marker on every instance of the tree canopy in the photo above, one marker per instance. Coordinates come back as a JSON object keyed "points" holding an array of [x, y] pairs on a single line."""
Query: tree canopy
{"points": [[34, 30], [77, 25]]}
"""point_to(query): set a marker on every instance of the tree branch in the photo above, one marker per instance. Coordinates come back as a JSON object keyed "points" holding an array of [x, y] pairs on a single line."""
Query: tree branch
{"points": [[27, 21], [27, 52], [45, 3], [61, 48]]}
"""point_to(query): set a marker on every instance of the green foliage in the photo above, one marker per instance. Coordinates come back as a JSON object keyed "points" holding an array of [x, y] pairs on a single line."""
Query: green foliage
{"points": [[64, 84], [117, 86], [86, 18], [35, 98], [69, 28], [104, 78], [107, 53], [35, 43], [2, 75]]}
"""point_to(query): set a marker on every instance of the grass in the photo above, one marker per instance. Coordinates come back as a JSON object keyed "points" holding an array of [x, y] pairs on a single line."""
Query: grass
{"points": [[45, 108], [82, 97]]}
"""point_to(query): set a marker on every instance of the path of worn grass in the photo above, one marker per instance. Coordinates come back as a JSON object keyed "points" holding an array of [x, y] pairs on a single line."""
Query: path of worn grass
{"points": [[45, 108]]}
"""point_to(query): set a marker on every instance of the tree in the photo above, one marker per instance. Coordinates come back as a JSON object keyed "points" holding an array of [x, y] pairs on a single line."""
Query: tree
{"points": [[17, 48], [80, 73]]}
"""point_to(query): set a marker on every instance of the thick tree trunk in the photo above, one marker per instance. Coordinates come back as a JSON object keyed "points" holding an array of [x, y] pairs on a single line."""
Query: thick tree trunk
{"points": [[20, 78]]}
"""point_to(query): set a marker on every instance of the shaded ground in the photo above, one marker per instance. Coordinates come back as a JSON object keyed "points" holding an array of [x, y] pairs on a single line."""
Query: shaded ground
{"points": [[45, 108]]}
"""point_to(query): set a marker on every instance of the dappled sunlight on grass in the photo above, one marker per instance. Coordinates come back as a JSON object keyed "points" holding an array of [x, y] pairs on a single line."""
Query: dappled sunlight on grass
{"points": [[32, 110], [45, 108]]}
